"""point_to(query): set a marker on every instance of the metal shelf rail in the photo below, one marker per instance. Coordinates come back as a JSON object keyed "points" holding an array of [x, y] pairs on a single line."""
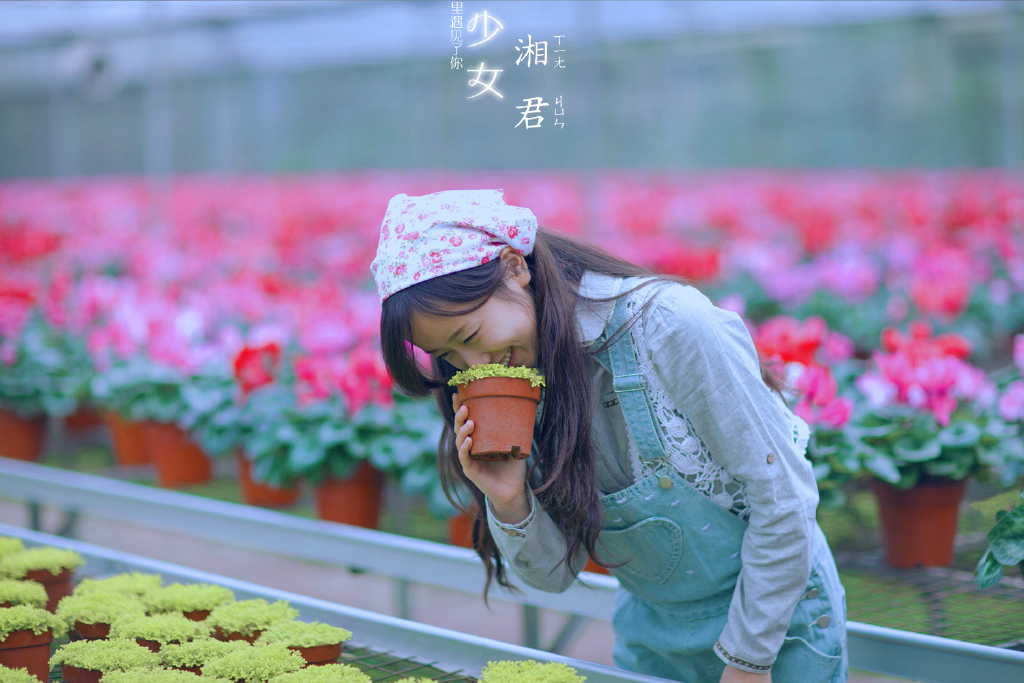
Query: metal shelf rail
{"points": [[403, 641], [872, 648]]}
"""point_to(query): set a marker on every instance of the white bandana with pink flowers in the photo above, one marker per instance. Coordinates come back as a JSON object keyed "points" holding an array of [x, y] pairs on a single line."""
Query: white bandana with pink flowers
{"points": [[445, 232]]}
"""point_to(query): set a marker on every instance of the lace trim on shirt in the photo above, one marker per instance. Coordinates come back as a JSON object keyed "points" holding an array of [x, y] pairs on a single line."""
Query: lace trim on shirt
{"points": [[687, 453]]}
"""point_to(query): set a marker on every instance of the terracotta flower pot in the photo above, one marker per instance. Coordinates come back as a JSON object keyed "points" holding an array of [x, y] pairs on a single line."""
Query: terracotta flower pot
{"points": [[234, 635], [21, 438], [27, 650], [256, 493], [178, 460], [58, 586], [919, 524], [503, 410], [319, 655], [129, 439], [198, 671], [91, 631], [82, 419], [460, 530], [152, 645], [355, 500], [197, 614], [592, 566], [72, 674]]}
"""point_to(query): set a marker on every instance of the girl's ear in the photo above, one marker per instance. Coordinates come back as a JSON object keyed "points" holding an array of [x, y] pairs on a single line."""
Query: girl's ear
{"points": [[516, 265]]}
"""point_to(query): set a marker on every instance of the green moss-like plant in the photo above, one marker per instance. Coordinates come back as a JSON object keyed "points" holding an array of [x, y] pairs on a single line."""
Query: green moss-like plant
{"points": [[115, 654], [303, 634], [54, 560], [529, 671], [496, 370], [179, 597], [248, 616], [328, 673], [98, 608], [23, 617], [137, 583], [10, 545], [255, 665], [29, 593], [158, 676], [16, 676], [199, 651], [162, 628]]}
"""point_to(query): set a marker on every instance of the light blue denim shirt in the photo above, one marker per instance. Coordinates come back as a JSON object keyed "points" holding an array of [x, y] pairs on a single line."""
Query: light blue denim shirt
{"points": [[732, 437]]}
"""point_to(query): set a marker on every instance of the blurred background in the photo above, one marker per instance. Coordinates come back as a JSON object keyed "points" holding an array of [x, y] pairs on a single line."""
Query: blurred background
{"points": [[128, 86]]}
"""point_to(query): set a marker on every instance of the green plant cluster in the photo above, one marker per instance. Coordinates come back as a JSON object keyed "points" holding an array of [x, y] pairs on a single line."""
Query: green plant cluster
{"points": [[1005, 547], [16, 676], [179, 597], [255, 665], [30, 593], [98, 608], [138, 389], [10, 545], [114, 654], [162, 628], [199, 651], [303, 634], [158, 676], [53, 560], [24, 618], [496, 370], [328, 673], [136, 583], [529, 671], [245, 617]]}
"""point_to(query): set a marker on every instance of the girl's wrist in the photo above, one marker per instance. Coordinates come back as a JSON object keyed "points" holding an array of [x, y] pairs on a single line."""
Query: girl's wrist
{"points": [[514, 511]]}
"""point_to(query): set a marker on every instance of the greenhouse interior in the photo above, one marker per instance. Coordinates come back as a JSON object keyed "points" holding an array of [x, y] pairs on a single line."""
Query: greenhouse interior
{"points": [[225, 455]]}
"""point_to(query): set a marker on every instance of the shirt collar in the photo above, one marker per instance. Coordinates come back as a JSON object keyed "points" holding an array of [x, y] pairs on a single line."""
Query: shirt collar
{"points": [[592, 316]]}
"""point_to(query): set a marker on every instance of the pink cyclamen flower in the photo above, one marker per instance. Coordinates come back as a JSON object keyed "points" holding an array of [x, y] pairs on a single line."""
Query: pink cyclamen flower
{"points": [[1011, 403], [1018, 353]]}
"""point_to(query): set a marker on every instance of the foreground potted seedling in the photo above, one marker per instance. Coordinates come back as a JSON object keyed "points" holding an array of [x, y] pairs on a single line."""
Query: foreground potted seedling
{"points": [[16, 676], [27, 593], [247, 619], [86, 661], [89, 616], [135, 583], [329, 673], [529, 671], [25, 637], [52, 567], [10, 545], [158, 630], [317, 643], [255, 665], [191, 656], [158, 676], [193, 600], [502, 402]]}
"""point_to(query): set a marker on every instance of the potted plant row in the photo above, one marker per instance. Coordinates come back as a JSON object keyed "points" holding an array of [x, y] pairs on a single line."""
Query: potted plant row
{"points": [[25, 637], [54, 568]]}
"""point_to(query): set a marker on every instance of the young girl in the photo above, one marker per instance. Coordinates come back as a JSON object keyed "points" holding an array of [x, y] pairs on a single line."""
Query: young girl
{"points": [[659, 451]]}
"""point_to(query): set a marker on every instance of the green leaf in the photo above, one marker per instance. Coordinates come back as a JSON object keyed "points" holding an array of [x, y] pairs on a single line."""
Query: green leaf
{"points": [[883, 468], [988, 571], [1009, 526], [1009, 551], [912, 450], [305, 455], [960, 434]]}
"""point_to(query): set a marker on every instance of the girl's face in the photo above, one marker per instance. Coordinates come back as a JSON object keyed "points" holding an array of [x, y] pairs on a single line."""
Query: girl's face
{"points": [[500, 331]]}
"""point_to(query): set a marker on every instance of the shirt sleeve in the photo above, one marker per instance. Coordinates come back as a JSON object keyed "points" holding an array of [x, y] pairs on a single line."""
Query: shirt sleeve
{"points": [[707, 362], [533, 548]]}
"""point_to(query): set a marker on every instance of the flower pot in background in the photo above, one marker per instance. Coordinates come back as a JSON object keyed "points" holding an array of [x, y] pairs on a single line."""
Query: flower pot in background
{"points": [[592, 566], [82, 419], [918, 525], [74, 674], [355, 500], [129, 439], [178, 460], [503, 410], [85, 631], [319, 655], [58, 586], [27, 650], [21, 438], [258, 493], [460, 529]]}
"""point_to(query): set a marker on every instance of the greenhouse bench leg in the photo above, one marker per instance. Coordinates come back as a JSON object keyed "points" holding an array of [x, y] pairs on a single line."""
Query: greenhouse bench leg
{"points": [[67, 528], [531, 631]]}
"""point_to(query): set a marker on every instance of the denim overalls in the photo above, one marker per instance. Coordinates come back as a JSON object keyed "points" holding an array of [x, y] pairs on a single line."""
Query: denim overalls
{"points": [[683, 555]]}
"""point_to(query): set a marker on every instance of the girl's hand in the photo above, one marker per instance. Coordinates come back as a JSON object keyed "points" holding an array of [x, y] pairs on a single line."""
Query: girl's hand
{"points": [[734, 675], [502, 481]]}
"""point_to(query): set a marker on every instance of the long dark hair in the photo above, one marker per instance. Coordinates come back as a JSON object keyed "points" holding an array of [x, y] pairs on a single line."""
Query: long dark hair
{"points": [[562, 472]]}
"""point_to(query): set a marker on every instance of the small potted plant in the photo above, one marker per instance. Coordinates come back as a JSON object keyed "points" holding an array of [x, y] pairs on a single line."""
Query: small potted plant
{"points": [[329, 673], [86, 661], [136, 583], [10, 545], [502, 402], [52, 567], [159, 676], [529, 671], [317, 643], [1005, 547], [255, 665], [246, 619], [28, 593], [25, 637], [157, 630], [16, 676], [193, 600], [90, 615], [192, 655]]}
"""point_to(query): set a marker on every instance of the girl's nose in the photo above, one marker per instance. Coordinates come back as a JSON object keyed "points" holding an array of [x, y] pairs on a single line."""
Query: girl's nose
{"points": [[478, 358]]}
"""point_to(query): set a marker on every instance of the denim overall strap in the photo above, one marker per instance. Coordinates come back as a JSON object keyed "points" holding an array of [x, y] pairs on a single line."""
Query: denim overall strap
{"points": [[629, 384]]}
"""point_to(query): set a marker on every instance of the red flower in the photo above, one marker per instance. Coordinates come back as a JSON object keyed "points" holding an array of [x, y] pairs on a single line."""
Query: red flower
{"points": [[256, 366]]}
